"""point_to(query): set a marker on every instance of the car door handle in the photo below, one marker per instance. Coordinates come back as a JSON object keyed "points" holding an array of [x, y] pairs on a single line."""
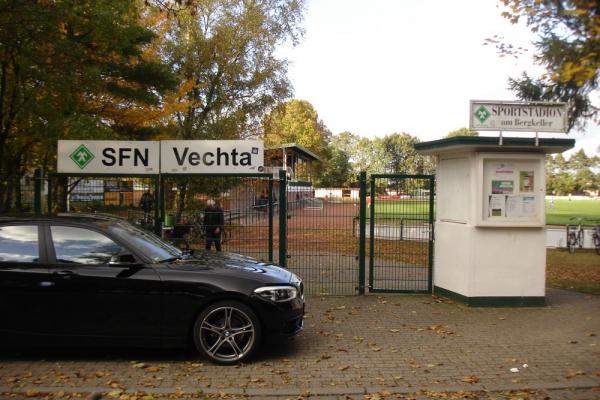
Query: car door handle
{"points": [[46, 284]]}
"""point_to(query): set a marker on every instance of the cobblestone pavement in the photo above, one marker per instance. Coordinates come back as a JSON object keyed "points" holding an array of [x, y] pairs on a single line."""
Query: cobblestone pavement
{"points": [[367, 347]]}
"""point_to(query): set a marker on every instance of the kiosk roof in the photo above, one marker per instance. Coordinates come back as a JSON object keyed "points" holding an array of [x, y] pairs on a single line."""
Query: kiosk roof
{"points": [[486, 143]]}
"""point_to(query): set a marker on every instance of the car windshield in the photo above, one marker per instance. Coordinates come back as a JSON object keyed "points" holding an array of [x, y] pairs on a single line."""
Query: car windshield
{"points": [[146, 242]]}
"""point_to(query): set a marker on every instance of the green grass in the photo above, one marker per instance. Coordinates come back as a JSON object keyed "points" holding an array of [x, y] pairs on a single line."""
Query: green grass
{"points": [[564, 210], [393, 209]]}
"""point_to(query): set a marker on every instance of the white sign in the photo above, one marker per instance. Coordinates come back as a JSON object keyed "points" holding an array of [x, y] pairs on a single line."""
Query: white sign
{"points": [[108, 157], [518, 116], [211, 156]]}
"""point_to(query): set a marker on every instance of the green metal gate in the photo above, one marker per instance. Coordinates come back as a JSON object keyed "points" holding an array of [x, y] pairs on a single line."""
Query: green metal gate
{"points": [[400, 233], [324, 241]]}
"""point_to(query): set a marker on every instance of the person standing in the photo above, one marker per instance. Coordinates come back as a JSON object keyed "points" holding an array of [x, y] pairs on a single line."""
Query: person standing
{"points": [[263, 201], [147, 204], [214, 220]]}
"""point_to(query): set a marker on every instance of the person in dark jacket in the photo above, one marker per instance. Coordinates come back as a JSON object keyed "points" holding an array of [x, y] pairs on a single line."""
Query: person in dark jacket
{"points": [[147, 204], [214, 220]]}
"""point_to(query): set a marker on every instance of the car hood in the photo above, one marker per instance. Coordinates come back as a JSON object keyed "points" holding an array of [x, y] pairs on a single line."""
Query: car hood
{"points": [[234, 264]]}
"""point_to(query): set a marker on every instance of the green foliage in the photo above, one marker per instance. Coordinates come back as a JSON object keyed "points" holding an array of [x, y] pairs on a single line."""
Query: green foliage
{"points": [[399, 154], [297, 122], [67, 69], [567, 47], [573, 176], [336, 171], [462, 132], [394, 153], [223, 54]]}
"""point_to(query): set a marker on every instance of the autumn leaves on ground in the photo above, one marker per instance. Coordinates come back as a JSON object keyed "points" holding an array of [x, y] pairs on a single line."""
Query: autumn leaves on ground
{"points": [[579, 271]]}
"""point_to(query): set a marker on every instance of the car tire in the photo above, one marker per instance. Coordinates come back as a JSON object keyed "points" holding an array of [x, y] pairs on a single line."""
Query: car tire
{"points": [[227, 333]]}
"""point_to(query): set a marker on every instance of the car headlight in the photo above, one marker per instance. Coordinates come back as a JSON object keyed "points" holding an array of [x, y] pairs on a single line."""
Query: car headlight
{"points": [[277, 294]]}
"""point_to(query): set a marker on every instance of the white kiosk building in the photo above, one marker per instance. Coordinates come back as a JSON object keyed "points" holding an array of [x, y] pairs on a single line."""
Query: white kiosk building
{"points": [[490, 218]]}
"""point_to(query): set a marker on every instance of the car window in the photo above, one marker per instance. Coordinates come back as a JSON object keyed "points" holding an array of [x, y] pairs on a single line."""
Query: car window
{"points": [[145, 242], [19, 243], [82, 246]]}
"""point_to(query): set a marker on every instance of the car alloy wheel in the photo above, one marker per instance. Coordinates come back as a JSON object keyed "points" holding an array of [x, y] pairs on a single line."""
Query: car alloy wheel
{"points": [[227, 332]]}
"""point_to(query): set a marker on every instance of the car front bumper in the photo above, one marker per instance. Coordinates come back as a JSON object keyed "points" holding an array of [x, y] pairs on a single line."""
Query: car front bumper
{"points": [[281, 319]]}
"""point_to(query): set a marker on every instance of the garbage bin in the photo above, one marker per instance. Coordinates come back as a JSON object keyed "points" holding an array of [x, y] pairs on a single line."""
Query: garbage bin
{"points": [[169, 220]]}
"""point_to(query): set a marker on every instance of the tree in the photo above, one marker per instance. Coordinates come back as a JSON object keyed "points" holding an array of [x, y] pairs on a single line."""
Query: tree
{"points": [[575, 175], [297, 122], [400, 155], [346, 142], [393, 153], [336, 171], [567, 47], [224, 52], [462, 132], [68, 68]]}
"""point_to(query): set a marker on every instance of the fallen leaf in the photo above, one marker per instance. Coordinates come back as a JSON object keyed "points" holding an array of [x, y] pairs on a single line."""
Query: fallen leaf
{"points": [[574, 374], [470, 379]]}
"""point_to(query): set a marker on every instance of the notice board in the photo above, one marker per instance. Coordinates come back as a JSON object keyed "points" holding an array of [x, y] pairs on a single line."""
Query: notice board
{"points": [[511, 189]]}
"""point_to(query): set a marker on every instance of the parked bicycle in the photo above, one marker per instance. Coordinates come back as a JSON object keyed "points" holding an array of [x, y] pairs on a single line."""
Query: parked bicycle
{"points": [[198, 232], [575, 235], [596, 238]]}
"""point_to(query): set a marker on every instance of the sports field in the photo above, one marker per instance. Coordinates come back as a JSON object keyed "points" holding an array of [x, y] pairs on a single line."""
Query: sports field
{"points": [[564, 212], [398, 209]]}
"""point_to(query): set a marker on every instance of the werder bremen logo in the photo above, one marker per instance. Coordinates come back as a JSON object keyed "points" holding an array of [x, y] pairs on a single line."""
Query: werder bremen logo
{"points": [[482, 114], [82, 156]]}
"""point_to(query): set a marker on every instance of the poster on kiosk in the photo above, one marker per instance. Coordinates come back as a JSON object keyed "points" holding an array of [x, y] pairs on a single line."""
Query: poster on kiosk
{"points": [[512, 192]]}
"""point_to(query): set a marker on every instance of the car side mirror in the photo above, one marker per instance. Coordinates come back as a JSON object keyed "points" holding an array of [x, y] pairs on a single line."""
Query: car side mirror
{"points": [[122, 259]]}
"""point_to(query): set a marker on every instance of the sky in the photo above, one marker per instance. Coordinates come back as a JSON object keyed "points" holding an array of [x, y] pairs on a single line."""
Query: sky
{"points": [[383, 66]]}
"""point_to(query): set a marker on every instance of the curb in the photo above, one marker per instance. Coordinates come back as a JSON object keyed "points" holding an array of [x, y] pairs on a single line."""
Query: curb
{"points": [[584, 383]]}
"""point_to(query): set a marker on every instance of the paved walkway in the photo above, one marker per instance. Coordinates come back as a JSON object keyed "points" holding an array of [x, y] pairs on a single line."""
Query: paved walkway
{"points": [[367, 347]]}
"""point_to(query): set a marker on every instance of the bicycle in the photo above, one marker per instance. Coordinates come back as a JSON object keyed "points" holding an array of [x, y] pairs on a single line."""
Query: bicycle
{"points": [[198, 232], [596, 238], [574, 235]]}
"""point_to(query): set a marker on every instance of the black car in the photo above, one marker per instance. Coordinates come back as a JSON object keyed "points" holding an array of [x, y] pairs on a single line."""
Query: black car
{"points": [[101, 281]]}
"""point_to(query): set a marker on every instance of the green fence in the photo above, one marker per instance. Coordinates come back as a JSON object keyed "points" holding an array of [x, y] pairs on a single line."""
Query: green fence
{"points": [[377, 238], [116, 195], [248, 202]]}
